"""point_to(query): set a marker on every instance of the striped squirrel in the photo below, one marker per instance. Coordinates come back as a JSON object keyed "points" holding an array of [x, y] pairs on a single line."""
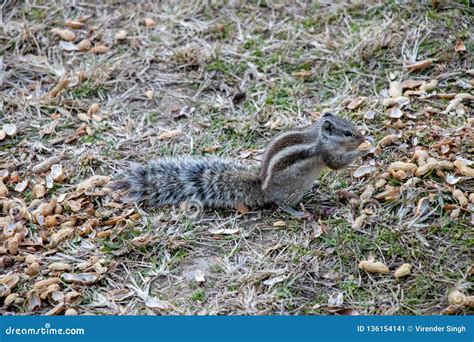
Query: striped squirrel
{"points": [[291, 163]]}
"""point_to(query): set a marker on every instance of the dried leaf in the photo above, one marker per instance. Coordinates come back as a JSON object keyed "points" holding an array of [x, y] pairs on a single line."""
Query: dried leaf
{"points": [[223, 231], [155, 303], [275, 280], [364, 170], [302, 73], [170, 134], [419, 65], [356, 103], [411, 84]]}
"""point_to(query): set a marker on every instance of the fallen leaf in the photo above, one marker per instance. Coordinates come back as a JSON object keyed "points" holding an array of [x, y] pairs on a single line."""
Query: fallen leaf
{"points": [[155, 303], [302, 73], [223, 231], [275, 280], [411, 84], [170, 134], [419, 65], [364, 170], [356, 103]]}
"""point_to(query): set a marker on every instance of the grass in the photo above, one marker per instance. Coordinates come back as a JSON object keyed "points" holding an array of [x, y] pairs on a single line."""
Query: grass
{"points": [[200, 57]]}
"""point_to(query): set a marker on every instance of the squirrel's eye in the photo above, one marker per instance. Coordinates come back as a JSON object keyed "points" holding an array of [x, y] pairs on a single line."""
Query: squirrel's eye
{"points": [[347, 133]]}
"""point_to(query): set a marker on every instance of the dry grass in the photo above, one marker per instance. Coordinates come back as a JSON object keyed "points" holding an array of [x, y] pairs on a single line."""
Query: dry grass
{"points": [[199, 55]]}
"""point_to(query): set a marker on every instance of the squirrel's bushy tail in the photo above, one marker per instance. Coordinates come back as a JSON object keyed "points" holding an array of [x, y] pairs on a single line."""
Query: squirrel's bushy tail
{"points": [[206, 181]]}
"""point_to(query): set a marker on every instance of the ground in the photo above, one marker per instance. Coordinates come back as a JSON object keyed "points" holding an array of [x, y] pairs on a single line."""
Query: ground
{"points": [[206, 78]]}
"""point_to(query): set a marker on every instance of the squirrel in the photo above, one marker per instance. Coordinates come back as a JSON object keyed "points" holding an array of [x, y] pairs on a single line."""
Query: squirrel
{"points": [[290, 165]]}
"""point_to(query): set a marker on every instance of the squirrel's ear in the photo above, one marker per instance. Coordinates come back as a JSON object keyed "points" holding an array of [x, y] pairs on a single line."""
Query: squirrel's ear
{"points": [[327, 115], [328, 126]]}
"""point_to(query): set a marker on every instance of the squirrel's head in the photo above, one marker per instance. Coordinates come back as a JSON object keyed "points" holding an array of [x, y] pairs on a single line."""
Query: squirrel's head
{"points": [[340, 132]]}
